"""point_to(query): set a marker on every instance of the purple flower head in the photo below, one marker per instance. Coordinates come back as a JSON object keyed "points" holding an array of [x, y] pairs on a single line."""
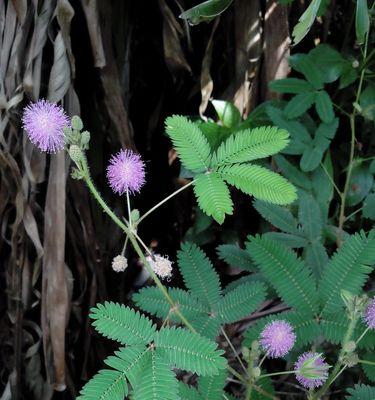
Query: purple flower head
{"points": [[277, 338], [126, 172], [311, 370], [44, 122], [370, 314]]}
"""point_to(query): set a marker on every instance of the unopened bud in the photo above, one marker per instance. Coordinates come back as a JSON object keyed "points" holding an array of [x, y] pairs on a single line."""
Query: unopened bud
{"points": [[75, 153], [77, 123], [85, 139]]}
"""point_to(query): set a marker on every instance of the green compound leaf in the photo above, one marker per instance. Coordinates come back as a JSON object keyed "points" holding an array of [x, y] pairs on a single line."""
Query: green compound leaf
{"points": [[305, 22], [361, 392], [157, 381], [227, 112], [287, 239], [122, 324], [213, 196], [189, 351], [324, 106], [335, 326], [207, 325], [212, 387], [310, 216], [292, 173], [152, 300], [130, 361], [369, 369], [259, 182], [251, 144], [105, 385], [205, 11], [235, 257], [288, 274], [280, 217], [241, 302], [299, 104], [187, 392], [362, 20], [190, 143], [291, 85], [347, 270], [199, 275]]}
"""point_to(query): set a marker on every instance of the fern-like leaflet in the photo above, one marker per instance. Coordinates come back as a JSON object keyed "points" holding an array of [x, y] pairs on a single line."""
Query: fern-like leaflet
{"points": [[147, 361], [230, 164]]}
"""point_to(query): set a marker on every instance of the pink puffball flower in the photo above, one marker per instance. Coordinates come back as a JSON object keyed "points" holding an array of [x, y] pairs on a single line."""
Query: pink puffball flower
{"points": [[126, 172], [311, 370], [370, 314], [277, 338], [44, 123]]}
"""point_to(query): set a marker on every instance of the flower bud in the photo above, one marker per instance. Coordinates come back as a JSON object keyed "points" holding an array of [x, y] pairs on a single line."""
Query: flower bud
{"points": [[75, 153], [77, 123], [85, 139]]}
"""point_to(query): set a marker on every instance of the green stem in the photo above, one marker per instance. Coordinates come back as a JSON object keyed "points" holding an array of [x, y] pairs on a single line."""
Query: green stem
{"points": [[151, 210], [362, 335], [337, 370], [366, 362], [233, 349], [352, 148], [277, 373], [121, 225], [129, 210], [265, 393]]}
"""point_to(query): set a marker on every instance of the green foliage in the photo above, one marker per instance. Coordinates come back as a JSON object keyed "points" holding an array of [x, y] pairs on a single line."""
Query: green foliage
{"points": [[147, 361], [251, 144], [212, 387], [347, 270], [288, 274], [213, 196], [199, 275], [191, 352], [235, 256], [105, 385], [230, 162], [122, 324], [305, 22], [190, 143], [203, 304], [362, 20], [259, 182], [361, 392], [227, 113], [205, 11], [240, 302], [369, 369]]}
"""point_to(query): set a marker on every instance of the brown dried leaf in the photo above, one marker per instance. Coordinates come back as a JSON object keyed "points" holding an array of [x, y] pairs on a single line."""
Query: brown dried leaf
{"points": [[60, 78], [54, 291], [207, 84], [172, 31], [90, 8]]}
